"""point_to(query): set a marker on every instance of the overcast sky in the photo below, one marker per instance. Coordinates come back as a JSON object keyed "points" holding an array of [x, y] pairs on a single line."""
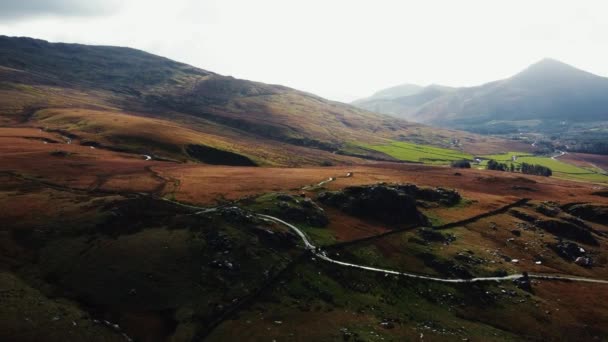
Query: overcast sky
{"points": [[339, 49]]}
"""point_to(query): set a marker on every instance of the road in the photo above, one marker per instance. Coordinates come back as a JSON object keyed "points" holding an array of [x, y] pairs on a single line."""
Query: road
{"points": [[560, 153], [323, 256], [328, 180]]}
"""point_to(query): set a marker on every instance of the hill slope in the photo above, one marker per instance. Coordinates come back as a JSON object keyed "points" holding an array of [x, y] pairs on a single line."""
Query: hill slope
{"points": [[401, 90], [269, 124], [405, 104]]}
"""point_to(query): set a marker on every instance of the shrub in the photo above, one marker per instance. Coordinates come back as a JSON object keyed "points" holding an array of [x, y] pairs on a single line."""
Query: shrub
{"points": [[494, 165], [463, 164]]}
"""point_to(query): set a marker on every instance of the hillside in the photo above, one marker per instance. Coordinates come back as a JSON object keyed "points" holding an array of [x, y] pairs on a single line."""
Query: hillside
{"points": [[130, 210], [76, 89], [405, 104], [548, 91], [401, 90]]}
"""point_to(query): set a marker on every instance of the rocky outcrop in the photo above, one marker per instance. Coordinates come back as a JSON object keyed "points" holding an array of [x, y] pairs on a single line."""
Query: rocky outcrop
{"points": [[561, 226], [440, 195], [567, 230], [388, 204], [290, 208], [590, 212], [569, 250]]}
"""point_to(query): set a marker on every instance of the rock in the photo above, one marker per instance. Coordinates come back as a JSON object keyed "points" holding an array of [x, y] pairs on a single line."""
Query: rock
{"points": [[523, 282], [383, 203], [583, 261], [590, 212], [387, 325], [516, 232], [567, 230], [222, 264], [568, 250], [549, 209], [440, 195]]}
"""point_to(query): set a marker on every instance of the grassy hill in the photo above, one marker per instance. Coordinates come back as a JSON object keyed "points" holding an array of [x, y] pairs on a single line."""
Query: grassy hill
{"points": [[105, 95]]}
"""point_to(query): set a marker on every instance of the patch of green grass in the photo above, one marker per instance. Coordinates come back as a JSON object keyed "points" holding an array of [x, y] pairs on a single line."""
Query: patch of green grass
{"points": [[419, 153], [560, 169], [506, 157], [319, 236]]}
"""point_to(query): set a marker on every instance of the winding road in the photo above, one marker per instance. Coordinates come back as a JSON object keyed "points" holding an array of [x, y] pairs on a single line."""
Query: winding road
{"points": [[323, 256], [560, 153]]}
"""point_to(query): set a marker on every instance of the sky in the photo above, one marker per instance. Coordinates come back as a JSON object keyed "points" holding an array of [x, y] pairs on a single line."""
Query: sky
{"points": [[338, 49]]}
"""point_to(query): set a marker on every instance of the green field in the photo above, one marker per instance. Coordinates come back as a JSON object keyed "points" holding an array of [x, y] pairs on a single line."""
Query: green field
{"points": [[559, 168], [418, 153], [506, 157]]}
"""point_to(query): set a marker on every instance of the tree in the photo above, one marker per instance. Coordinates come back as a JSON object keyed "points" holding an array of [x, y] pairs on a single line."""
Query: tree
{"points": [[538, 170], [463, 164], [494, 165]]}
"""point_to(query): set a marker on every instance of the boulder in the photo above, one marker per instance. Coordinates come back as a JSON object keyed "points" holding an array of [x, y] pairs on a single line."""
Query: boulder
{"points": [[569, 250]]}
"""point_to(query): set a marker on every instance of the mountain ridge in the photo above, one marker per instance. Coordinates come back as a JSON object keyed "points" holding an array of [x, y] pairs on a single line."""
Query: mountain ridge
{"points": [[548, 90], [270, 124]]}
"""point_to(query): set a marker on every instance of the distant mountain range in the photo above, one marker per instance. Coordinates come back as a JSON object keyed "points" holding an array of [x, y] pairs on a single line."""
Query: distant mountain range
{"points": [[548, 91]]}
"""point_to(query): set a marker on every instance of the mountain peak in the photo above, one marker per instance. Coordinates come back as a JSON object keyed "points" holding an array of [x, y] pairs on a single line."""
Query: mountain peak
{"points": [[548, 69], [550, 61]]}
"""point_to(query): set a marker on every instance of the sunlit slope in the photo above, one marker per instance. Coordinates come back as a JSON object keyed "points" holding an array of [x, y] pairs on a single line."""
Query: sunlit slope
{"points": [[37, 75]]}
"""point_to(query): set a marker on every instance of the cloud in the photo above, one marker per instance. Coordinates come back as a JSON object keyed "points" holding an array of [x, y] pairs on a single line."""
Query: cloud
{"points": [[20, 9]]}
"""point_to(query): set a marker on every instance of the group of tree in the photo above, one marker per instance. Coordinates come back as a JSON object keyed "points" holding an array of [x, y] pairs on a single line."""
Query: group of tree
{"points": [[494, 165], [595, 147], [538, 170], [529, 169], [463, 164]]}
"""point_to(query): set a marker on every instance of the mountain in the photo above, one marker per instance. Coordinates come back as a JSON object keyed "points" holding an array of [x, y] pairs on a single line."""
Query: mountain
{"points": [[548, 91], [131, 100], [392, 93], [402, 104]]}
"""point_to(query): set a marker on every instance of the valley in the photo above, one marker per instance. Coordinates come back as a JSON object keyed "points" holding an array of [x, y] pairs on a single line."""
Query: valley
{"points": [[142, 199], [123, 206]]}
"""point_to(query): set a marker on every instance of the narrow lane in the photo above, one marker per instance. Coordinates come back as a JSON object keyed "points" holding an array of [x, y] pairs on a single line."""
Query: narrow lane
{"points": [[322, 255]]}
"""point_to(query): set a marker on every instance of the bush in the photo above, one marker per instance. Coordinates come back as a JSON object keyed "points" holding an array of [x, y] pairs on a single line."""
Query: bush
{"points": [[494, 165], [463, 164]]}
